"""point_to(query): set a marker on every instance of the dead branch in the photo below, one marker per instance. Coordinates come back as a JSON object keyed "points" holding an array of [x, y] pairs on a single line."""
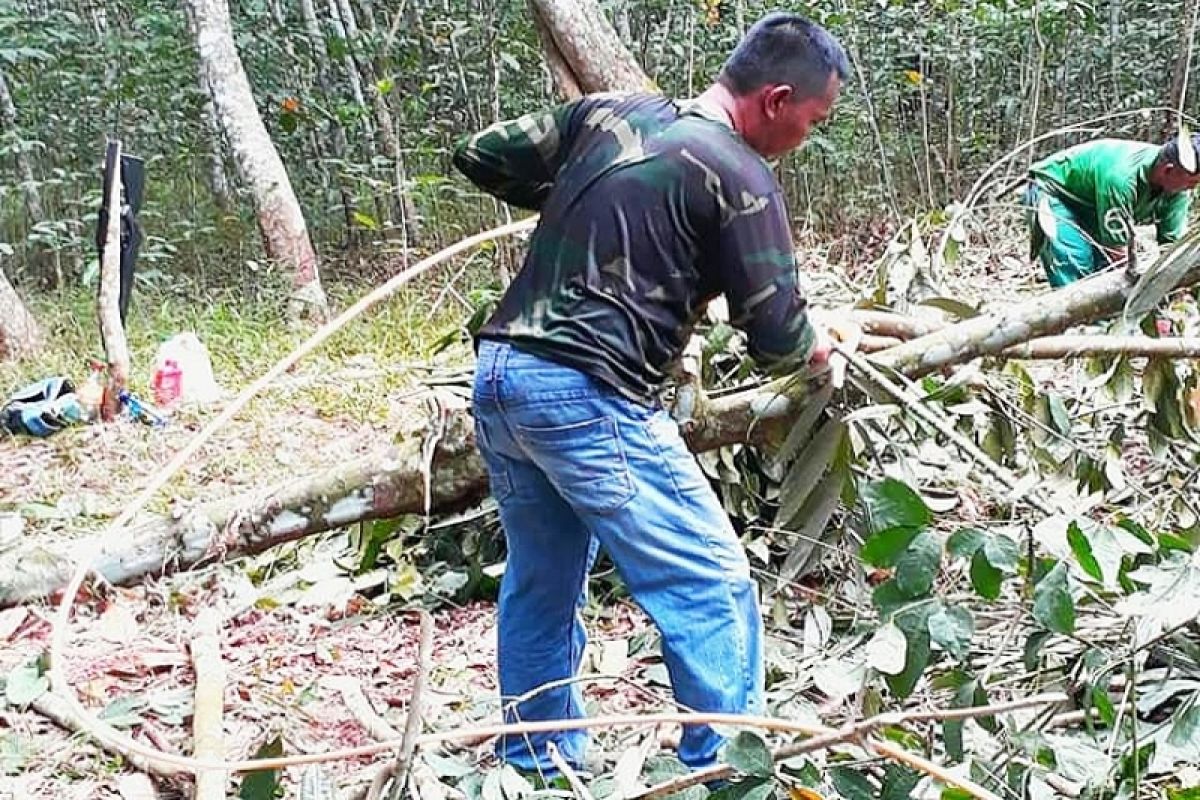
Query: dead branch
{"points": [[360, 708], [208, 717], [1059, 347], [858, 733], [55, 709], [577, 786], [398, 769]]}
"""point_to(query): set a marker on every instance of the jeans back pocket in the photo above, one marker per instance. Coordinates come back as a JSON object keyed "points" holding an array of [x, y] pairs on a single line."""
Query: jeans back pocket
{"points": [[585, 461]]}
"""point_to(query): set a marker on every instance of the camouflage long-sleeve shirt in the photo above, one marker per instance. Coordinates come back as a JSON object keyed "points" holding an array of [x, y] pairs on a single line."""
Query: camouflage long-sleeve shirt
{"points": [[648, 212]]}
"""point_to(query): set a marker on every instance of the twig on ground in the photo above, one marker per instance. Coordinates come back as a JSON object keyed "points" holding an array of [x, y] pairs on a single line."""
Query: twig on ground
{"points": [[208, 717], [858, 732], [398, 769], [55, 709], [360, 708], [577, 788]]}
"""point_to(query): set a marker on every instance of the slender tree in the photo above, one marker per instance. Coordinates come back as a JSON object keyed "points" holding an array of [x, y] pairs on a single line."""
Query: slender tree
{"points": [[280, 219], [20, 334]]}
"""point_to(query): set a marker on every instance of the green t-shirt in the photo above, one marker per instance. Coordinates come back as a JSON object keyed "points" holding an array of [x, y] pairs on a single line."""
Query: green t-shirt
{"points": [[1108, 182]]}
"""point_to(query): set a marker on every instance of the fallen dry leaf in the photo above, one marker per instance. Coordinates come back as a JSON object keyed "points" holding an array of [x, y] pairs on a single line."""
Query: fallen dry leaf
{"points": [[136, 787]]}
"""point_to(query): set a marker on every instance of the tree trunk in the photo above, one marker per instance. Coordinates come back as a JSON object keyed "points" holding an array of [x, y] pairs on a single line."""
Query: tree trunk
{"points": [[389, 137], [391, 482], [316, 44], [218, 180], [280, 220], [29, 188], [1183, 60], [108, 298], [587, 47], [20, 334], [46, 263]]}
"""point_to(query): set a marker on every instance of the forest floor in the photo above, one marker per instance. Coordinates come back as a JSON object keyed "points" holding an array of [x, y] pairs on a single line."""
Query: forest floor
{"points": [[293, 624]]}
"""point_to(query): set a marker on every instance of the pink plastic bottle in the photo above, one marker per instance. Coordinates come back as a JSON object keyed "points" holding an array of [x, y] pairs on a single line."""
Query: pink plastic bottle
{"points": [[168, 383]]}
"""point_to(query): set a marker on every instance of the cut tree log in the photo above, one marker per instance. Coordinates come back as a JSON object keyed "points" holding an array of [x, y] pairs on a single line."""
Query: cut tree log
{"points": [[391, 482]]}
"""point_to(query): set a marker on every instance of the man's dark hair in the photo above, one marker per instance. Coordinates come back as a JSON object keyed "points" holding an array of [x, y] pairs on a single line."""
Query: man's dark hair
{"points": [[1169, 154], [783, 47]]}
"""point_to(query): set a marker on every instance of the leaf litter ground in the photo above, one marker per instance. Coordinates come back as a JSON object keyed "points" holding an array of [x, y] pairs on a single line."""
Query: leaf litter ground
{"points": [[129, 646]]}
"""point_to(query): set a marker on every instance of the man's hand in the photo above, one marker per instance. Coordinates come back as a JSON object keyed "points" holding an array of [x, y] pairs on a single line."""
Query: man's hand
{"points": [[829, 329]]}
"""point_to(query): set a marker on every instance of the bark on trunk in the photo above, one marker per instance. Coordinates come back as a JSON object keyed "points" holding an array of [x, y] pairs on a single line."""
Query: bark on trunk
{"points": [[108, 299], [29, 188], [391, 482], [1183, 60], [388, 135], [20, 334], [587, 47], [280, 220]]}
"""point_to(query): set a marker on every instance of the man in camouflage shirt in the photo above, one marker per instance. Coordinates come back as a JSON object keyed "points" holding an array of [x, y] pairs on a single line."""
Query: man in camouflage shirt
{"points": [[650, 208]]}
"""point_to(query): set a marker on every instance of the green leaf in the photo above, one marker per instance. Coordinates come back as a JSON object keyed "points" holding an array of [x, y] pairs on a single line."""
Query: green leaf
{"points": [[918, 564], [264, 784], [1104, 705], [1033, 649], [1192, 793], [806, 471], [852, 784], [898, 782], [884, 548], [914, 623], [1169, 541], [952, 729], [965, 541], [955, 793], [984, 577], [748, 789], [364, 219], [887, 597], [25, 684], [1082, 549], [1002, 553], [124, 712], [1053, 607], [748, 753], [1185, 730], [891, 504], [952, 628], [951, 306]]}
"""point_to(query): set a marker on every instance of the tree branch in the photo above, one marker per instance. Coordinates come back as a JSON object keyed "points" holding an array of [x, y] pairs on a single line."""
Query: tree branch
{"points": [[856, 733]]}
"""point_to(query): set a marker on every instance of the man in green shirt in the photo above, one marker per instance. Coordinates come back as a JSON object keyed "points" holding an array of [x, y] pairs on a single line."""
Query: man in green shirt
{"points": [[1084, 201]]}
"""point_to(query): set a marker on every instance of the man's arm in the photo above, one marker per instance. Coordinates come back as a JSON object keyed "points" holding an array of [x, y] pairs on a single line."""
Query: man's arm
{"points": [[1173, 217], [758, 268], [517, 160]]}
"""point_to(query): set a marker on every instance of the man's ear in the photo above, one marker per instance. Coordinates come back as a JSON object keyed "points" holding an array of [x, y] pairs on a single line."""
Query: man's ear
{"points": [[775, 98]]}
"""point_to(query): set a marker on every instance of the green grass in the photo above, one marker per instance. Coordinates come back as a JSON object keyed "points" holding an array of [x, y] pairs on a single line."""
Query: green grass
{"points": [[246, 332], [343, 399]]}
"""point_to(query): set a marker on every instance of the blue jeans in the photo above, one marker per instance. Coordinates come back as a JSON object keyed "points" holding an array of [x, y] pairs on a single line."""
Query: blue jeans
{"points": [[574, 465]]}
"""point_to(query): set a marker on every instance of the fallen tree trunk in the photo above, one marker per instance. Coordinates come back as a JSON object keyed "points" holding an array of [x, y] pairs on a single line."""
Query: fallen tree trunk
{"points": [[392, 482]]}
